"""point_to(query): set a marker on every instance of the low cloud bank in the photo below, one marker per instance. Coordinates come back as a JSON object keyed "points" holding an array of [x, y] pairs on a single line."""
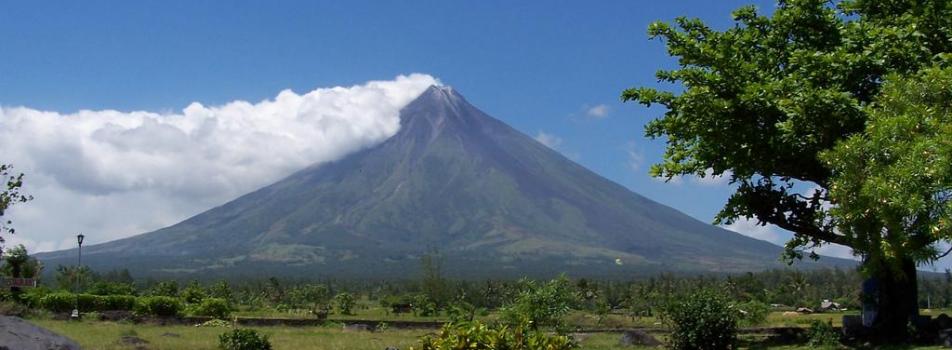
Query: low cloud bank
{"points": [[111, 174]]}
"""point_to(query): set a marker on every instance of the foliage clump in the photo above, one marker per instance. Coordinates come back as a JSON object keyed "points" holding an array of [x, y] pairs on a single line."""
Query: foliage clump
{"points": [[701, 320], [243, 339], [477, 335], [161, 306], [541, 305], [752, 313], [212, 307], [345, 303], [822, 335]]}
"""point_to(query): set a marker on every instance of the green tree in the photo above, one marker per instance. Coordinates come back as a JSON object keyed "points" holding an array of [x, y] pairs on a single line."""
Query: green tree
{"points": [[773, 103], [9, 196], [73, 278], [345, 303], [541, 305], [18, 263], [433, 284]]}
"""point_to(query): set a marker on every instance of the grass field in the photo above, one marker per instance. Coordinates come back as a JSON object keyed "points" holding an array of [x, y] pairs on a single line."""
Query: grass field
{"points": [[125, 336], [109, 336]]}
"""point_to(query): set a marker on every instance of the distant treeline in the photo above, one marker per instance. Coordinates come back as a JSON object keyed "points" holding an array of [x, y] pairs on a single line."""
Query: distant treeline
{"points": [[781, 288]]}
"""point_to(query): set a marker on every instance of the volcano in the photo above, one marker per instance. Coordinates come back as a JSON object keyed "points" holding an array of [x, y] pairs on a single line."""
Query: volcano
{"points": [[491, 200]]}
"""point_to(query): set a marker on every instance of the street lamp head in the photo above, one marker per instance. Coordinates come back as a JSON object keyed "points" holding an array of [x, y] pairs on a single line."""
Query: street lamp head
{"points": [[79, 238]]}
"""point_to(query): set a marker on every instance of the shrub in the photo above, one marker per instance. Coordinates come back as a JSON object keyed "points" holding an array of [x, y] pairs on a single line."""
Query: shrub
{"points": [[112, 288], [158, 306], [422, 305], [9, 308], [31, 296], [58, 302], [213, 307], [541, 305], [477, 335], [117, 302], [243, 339], [752, 313], [822, 335], [701, 320], [345, 303], [64, 302], [193, 293]]}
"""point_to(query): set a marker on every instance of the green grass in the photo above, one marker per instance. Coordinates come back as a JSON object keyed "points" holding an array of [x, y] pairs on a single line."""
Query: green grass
{"points": [[107, 335]]}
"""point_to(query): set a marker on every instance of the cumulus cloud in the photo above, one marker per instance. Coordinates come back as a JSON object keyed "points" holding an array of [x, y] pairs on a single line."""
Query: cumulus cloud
{"points": [[549, 140], [750, 228], [709, 179], [111, 174], [597, 112], [778, 236], [635, 157]]}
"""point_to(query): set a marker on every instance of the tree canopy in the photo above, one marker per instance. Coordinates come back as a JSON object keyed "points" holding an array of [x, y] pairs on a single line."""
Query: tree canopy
{"points": [[793, 107], [9, 195]]}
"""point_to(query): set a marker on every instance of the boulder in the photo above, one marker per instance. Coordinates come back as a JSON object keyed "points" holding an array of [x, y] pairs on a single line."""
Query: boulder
{"points": [[357, 327], [638, 338], [17, 334], [942, 321], [945, 338]]}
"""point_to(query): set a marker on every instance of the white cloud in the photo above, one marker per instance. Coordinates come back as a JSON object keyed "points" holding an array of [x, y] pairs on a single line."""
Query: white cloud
{"points": [[598, 111], [549, 140], [775, 235], [635, 157], [836, 251], [110, 174], [750, 228], [709, 179]]}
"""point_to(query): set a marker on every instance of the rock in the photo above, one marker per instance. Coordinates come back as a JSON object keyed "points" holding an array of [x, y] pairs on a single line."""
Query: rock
{"points": [[639, 338], [945, 338], [791, 313], [579, 337], [942, 321], [356, 327], [805, 310], [134, 341], [392, 348], [18, 334], [852, 326]]}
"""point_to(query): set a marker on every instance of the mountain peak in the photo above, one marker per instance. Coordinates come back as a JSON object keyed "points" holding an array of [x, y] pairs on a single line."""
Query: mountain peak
{"points": [[437, 109], [441, 95]]}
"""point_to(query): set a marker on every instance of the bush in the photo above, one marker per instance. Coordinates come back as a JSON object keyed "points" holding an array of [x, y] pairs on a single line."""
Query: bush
{"points": [[193, 293], [158, 306], [243, 339], [213, 307], [822, 335], [478, 335], [65, 302], [422, 305], [701, 320], [117, 303], [9, 308], [541, 305], [752, 313], [58, 302], [345, 303]]}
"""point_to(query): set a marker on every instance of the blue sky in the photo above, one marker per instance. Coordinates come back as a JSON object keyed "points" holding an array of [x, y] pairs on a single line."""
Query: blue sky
{"points": [[553, 69]]}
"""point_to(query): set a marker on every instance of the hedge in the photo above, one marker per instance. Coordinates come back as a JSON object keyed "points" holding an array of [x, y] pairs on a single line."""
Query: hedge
{"points": [[64, 302]]}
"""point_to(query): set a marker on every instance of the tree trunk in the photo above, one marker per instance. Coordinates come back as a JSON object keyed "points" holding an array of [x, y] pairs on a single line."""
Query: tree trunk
{"points": [[893, 297]]}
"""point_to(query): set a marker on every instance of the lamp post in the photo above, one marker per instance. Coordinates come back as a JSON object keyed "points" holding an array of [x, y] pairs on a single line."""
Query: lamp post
{"points": [[79, 264]]}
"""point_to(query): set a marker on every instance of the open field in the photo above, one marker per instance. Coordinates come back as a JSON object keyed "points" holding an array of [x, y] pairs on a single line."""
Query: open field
{"points": [[109, 335]]}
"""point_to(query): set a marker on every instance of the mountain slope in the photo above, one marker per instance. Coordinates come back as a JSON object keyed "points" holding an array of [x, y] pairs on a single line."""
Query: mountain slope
{"points": [[494, 201]]}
